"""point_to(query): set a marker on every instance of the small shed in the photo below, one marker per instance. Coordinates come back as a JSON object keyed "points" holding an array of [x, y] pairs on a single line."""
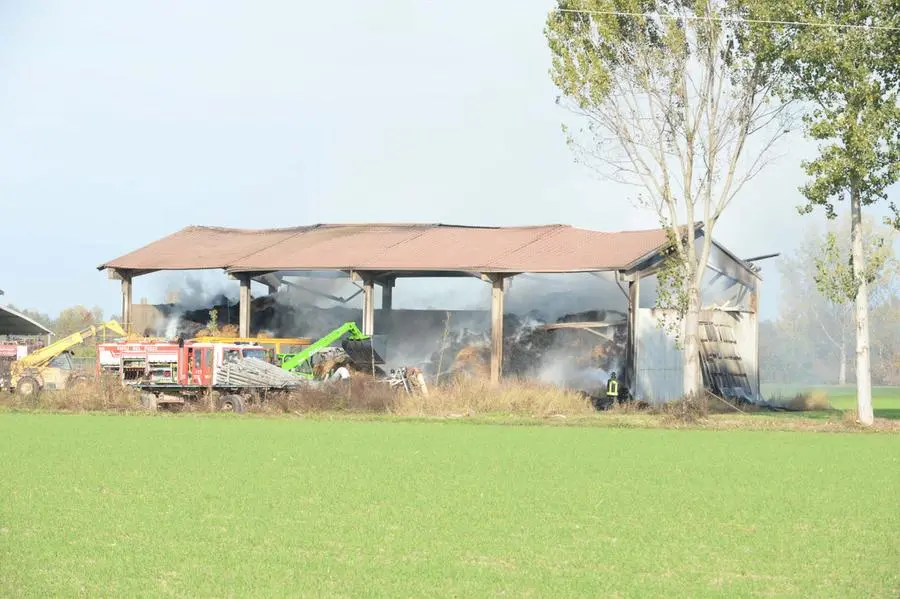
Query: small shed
{"points": [[15, 323]]}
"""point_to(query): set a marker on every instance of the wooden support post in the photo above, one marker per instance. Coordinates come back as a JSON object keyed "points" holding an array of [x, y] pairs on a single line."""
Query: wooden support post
{"points": [[126, 303], [244, 309], [496, 328], [387, 304], [631, 351], [387, 295], [368, 317]]}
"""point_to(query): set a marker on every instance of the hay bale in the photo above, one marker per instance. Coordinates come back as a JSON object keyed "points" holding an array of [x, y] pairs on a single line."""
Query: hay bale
{"points": [[812, 401], [474, 360], [229, 330]]}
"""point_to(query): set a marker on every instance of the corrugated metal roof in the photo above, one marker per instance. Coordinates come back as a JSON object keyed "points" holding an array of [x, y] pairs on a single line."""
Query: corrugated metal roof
{"points": [[395, 247], [14, 323], [195, 248]]}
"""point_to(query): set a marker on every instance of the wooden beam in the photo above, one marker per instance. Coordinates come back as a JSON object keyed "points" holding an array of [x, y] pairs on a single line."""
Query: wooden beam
{"points": [[387, 303], [585, 329], [241, 275], [368, 317], [578, 325], [271, 280], [126, 303], [631, 355], [496, 328], [364, 275], [244, 309], [490, 277], [387, 294], [117, 274]]}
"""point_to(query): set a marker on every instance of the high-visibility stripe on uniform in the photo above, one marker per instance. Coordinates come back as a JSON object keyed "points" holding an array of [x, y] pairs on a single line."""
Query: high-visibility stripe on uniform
{"points": [[612, 388]]}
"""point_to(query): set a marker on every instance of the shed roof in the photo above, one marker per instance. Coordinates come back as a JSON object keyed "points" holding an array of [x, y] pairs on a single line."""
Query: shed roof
{"points": [[395, 247], [14, 323]]}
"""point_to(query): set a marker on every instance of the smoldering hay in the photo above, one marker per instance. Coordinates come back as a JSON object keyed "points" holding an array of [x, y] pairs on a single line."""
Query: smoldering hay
{"points": [[448, 343]]}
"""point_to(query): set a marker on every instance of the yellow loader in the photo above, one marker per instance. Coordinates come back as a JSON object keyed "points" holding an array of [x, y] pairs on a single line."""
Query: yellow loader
{"points": [[51, 367]]}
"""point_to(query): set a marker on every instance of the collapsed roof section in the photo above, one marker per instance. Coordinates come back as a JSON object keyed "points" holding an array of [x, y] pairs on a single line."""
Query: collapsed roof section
{"points": [[400, 248]]}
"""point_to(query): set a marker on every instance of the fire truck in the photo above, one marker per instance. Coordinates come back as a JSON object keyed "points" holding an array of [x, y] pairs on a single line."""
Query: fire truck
{"points": [[169, 373]]}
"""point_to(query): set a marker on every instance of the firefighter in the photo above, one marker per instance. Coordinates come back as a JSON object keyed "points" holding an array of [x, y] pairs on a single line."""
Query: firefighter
{"points": [[338, 370], [612, 387], [341, 373]]}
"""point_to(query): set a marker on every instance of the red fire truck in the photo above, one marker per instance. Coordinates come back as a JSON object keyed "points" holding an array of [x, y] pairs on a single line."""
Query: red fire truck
{"points": [[170, 373]]}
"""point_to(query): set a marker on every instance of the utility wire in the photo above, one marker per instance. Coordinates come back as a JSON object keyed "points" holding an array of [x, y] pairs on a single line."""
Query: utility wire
{"points": [[726, 19]]}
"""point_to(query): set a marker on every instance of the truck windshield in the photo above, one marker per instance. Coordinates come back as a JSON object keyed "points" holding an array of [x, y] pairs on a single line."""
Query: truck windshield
{"points": [[258, 353]]}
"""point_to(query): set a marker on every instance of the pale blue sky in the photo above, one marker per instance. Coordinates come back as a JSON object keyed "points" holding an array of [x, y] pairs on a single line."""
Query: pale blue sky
{"points": [[125, 121]]}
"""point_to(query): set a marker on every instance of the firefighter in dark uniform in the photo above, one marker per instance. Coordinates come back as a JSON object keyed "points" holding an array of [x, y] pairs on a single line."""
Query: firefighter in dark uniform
{"points": [[612, 388]]}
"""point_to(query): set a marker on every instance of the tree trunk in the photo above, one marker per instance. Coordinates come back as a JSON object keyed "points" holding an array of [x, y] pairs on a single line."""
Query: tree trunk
{"points": [[693, 379], [863, 368], [842, 376]]}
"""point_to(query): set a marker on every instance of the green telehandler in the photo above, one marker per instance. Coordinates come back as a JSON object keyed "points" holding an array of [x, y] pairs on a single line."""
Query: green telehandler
{"points": [[358, 347]]}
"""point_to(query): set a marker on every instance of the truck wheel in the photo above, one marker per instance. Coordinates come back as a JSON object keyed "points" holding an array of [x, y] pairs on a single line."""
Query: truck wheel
{"points": [[231, 403], [149, 402], [28, 387]]}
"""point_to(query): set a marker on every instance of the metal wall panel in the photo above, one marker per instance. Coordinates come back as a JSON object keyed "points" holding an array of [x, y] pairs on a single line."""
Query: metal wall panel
{"points": [[745, 330], [659, 368]]}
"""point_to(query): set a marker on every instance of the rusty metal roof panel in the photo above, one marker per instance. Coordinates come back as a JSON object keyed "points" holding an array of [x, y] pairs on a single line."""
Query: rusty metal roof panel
{"points": [[571, 250], [197, 248], [448, 248], [398, 247], [329, 247], [376, 247]]}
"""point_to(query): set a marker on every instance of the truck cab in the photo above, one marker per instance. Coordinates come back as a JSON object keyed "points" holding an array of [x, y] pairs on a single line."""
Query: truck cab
{"points": [[167, 363], [205, 359]]}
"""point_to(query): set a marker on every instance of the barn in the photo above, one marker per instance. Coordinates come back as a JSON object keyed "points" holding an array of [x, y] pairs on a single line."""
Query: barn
{"points": [[376, 256]]}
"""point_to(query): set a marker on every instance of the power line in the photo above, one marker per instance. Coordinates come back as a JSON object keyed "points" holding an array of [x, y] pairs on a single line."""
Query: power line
{"points": [[727, 19]]}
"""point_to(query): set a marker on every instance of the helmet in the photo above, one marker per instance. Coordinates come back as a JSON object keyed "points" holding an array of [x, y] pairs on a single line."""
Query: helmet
{"points": [[612, 375]]}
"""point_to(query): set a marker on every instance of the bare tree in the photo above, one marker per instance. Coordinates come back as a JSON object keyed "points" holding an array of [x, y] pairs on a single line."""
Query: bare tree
{"points": [[677, 97]]}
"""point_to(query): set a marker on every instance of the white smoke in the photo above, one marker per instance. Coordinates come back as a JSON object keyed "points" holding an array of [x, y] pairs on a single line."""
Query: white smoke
{"points": [[416, 338], [552, 296], [172, 323], [320, 290], [198, 290]]}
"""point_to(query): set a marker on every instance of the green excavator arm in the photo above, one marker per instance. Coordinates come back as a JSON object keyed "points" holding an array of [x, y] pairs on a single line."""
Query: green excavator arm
{"points": [[291, 362]]}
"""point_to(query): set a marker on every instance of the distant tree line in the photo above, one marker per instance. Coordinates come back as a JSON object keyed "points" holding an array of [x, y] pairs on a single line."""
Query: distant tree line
{"points": [[69, 320]]}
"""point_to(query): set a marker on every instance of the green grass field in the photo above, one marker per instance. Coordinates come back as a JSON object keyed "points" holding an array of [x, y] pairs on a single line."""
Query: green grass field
{"points": [[885, 400], [101, 505]]}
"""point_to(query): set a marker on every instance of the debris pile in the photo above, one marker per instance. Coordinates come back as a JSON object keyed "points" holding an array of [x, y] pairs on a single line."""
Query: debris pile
{"points": [[580, 356], [253, 372], [269, 318], [577, 350]]}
